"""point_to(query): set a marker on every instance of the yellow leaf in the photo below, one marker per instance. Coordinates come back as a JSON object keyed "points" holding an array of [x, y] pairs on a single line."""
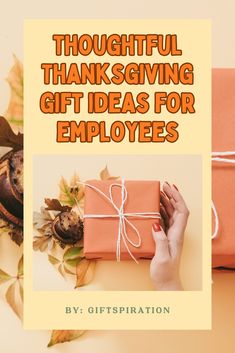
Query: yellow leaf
{"points": [[74, 252], [71, 194], [105, 175], [53, 260], [61, 270], [22, 292], [14, 111], [84, 272], [13, 297], [66, 197], [61, 336], [77, 189], [68, 271], [4, 277], [21, 267], [41, 243]]}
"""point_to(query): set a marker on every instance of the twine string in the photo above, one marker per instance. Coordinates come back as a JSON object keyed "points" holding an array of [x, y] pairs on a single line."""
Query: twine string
{"points": [[122, 216]]}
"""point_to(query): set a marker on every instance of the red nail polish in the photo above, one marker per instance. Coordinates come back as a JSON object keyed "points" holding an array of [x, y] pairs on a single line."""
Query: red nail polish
{"points": [[156, 227], [175, 187]]}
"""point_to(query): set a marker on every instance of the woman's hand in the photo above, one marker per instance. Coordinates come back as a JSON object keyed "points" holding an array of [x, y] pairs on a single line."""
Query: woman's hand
{"points": [[169, 237]]}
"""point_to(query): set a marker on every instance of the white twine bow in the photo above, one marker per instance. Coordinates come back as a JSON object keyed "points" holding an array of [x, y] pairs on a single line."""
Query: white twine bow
{"points": [[123, 218], [221, 157]]}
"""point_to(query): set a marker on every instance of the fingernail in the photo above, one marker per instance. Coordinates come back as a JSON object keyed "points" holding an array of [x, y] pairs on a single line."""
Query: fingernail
{"points": [[156, 227], [175, 187], [167, 183]]}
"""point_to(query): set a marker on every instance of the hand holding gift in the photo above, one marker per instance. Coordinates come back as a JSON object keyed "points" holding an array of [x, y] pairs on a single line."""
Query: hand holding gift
{"points": [[164, 268]]}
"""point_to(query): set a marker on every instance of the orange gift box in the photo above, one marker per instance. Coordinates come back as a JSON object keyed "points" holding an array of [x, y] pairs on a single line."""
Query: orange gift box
{"points": [[223, 174], [110, 230]]}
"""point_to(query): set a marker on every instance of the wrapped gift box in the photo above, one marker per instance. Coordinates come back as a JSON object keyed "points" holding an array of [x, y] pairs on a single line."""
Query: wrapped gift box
{"points": [[104, 218], [223, 174]]}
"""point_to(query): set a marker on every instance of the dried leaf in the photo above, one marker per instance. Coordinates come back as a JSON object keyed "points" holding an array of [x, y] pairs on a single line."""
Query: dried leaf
{"points": [[73, 262], [4, 277], [61, 336], [21, 267], [71, 194], [68, 271], [16, 235], [54, 204], [14, 111], [21, 292], [13, 298], [53, 260], [8, 138], [39, 220], [105, 175], [85, 272], [76, 188], [61, 270], [66, 196], [51, 244], [72, 253], [43, 218], [41, 243]]}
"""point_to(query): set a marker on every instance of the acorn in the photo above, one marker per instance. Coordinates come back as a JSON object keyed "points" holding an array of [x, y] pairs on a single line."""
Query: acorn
{"points": [[67, 227], [11, 187]]}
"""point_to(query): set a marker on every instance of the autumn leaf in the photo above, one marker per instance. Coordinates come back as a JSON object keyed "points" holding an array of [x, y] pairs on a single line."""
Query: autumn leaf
{"points": [[76, 188], [68, 271], [21, 292], [14, 111], [54, 204], [71, 194], [84, 272], [58, 265], [16, 234], [72, 253], [61, 270], [43, 243], [13, 298], [61, 336], [53, 260], [71, 257], [43, 218], [20, 267], [4, 277], [105, 175], [8, 138], [66, 196]]}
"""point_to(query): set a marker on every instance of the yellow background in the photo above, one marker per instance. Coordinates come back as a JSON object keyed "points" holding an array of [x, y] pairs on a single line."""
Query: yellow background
{"points": [[195, 139], [194, 40]]}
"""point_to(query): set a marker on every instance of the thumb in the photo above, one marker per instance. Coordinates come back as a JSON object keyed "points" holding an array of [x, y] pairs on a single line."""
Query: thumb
{"points": [[160, 238]]}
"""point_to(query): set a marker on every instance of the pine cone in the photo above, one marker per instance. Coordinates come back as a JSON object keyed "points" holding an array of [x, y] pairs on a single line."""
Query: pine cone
{"points": [[67, 227], [11, 187]]}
